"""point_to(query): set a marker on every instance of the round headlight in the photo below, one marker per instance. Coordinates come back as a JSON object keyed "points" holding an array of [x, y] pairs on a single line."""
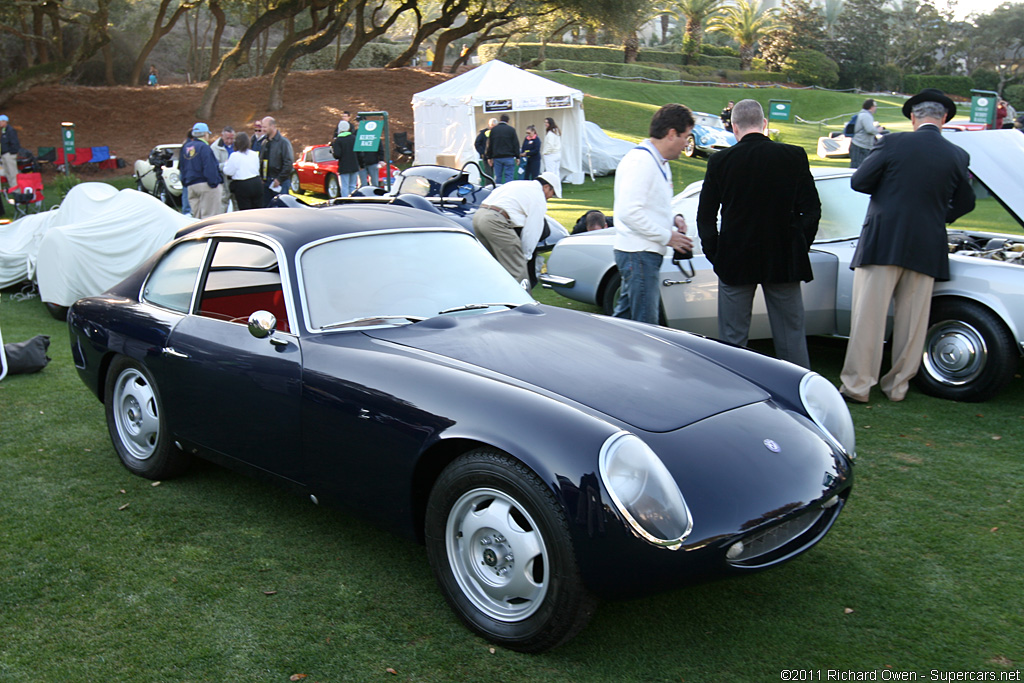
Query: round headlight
{"points": [[706, 140], [827, 408], [643, 491]]}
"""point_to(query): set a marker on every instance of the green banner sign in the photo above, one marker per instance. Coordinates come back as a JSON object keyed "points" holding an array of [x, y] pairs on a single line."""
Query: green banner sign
{"points": [[368, 135], [68, 137]]}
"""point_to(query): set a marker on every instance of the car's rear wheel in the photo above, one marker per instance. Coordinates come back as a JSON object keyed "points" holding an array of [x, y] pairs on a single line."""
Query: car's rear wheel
{"points": [[499, 545], [969, 354], [295, 187], [610, 293], [56, 311], [691, 146], [136, 422], [331, 187]]}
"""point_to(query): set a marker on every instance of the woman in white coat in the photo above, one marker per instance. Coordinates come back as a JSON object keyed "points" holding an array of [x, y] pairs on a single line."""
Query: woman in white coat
{"points": [[552, 154]]}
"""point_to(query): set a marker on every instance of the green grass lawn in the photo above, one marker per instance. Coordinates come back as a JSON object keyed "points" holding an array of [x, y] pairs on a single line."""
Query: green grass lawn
{"points": [[216, 577]]}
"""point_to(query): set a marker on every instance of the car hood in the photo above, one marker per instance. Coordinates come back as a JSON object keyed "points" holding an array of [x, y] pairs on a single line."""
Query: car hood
{"points": [[613, 367], [997, 161]]}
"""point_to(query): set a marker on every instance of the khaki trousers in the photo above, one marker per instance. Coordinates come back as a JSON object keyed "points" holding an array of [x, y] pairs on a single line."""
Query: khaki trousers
{"points": [[10, 165], [204, 200], [499, 237], [873, 288]]}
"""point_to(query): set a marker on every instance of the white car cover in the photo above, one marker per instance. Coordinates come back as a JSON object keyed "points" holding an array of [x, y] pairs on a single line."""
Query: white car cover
{"points": [[601, 152], [96, 238]]}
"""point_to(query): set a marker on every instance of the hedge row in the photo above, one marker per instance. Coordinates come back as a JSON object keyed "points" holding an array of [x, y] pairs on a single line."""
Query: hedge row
{"points": [[953, 85], [516, 53], [696, 74]]}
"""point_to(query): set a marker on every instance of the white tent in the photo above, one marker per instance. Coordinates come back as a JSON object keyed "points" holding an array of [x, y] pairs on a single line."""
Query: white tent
{"points": [[449, 116]]}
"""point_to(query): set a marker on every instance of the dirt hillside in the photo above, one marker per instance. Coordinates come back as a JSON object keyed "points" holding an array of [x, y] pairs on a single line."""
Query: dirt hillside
{"points": [[131, 120]]}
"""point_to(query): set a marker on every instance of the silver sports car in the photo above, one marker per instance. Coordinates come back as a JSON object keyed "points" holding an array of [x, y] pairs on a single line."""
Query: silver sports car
{"points": [[976, 336]]}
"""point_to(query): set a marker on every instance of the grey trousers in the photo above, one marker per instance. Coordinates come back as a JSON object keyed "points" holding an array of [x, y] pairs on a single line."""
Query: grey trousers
{"points": [[498, 236], [785, 315]]}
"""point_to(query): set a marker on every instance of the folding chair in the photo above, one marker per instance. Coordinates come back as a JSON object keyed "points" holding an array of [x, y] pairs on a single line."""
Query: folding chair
{"points": [[403, 146], [27, 195]]}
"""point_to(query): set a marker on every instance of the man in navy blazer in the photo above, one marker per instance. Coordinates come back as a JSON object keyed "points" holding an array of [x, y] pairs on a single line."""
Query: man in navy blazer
{"points": [[918, 183], [770, 213]]}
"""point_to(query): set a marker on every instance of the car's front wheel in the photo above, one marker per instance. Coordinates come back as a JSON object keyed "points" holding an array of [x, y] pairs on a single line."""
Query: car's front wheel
{"points": [[139, 186], [499, 545], [969, 354], [295, 187], [136, 422], [331, 187], [691, 146], [610, 293]]}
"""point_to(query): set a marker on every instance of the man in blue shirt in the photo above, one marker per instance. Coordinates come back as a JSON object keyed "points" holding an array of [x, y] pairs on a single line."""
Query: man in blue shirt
{"points": [[200, 173]]}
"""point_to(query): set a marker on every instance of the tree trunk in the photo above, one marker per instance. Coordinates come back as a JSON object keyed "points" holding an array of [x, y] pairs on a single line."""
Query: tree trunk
{"points": [[472, 25], [240, 53], [361, 35], [108, 65], [328, 31], [450, 11], [746, 57], [218, 14], [94, 37], [159, 31], [631, 47]]}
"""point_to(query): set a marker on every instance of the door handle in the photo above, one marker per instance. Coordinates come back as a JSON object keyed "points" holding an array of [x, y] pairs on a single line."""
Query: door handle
{"points": [[168, 351]]}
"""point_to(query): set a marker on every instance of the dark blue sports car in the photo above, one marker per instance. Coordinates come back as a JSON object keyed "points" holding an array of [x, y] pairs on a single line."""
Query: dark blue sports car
{"points": [[377, 358]]}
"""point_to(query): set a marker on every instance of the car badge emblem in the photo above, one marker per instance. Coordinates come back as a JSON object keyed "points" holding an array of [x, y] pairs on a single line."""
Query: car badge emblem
{"points": [[771, 445]]}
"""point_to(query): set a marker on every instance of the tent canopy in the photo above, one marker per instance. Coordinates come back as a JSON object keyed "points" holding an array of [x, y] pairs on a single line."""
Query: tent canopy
{"points": [[449, 116]]}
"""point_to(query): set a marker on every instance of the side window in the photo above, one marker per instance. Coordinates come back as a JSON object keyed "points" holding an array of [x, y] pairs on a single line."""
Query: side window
{"points": [[244, 277], [173, 280]]}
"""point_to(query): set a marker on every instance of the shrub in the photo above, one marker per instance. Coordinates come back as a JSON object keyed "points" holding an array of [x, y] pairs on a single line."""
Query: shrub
{"points": [[985, 79], [811, 67], [720, 61], [951, 85], [1014, 94], [613, 69]]}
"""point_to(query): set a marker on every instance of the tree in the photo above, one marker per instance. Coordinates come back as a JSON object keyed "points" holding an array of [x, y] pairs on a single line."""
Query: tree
{"points": [[366, 28], [999, 41], [746, 22], [859, 44], [802, 28], [49, 57], [160, 29], [920, 34], [694, 14]]}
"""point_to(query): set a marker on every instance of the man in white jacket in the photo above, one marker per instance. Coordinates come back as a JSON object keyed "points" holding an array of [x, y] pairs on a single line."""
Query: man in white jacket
{"points": [[644, 224]]}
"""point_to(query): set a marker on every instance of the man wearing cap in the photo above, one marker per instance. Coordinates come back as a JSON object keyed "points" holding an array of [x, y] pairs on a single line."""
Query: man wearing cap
{"points": [[918, 183], [510, 224], [200, 173], [9, 147]]}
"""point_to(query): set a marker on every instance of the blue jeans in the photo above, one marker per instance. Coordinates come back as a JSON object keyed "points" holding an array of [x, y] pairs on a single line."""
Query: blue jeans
{"points": [[349, 182], [268, 194], [640, 297], [504, 169]]}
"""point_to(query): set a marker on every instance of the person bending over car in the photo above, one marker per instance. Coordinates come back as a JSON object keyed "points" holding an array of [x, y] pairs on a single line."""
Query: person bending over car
{"points": [[511, 223]]}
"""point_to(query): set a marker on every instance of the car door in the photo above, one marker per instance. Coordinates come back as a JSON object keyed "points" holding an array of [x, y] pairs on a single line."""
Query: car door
{"points": [[232, 392]]}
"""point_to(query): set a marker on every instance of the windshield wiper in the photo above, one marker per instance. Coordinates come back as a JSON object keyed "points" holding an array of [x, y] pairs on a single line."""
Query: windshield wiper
{"points": [[474, 307], [371, 319]]}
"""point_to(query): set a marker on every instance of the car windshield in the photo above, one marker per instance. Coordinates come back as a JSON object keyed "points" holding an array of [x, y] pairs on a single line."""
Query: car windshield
{"points": [[842, 209], [707, 121], [395, 278], [322, 154]]}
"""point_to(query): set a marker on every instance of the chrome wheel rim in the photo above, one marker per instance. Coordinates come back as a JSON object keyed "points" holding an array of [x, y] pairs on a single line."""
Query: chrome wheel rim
{"points": [[333, 189], [691, 145], [135, 414], [955, 353], [497, 554]]}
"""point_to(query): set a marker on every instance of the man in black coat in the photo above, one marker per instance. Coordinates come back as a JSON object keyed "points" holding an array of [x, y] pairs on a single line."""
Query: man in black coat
{"points": [[918, 183], [502, 150], [770, 212]]}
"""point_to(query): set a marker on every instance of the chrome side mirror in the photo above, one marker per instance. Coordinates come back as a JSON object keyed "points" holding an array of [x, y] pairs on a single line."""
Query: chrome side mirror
{"points": [[262, 324]]}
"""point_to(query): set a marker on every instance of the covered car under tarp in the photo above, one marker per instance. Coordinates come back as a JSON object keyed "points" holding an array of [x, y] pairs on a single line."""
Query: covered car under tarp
{"points": [[96, 238], [601, 152]]}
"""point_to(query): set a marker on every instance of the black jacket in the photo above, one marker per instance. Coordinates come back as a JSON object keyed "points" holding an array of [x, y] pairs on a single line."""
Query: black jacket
{"points": [[9, 140], [502, 142], [343, 149], [276, 158], [770, 212], [918, 183]]}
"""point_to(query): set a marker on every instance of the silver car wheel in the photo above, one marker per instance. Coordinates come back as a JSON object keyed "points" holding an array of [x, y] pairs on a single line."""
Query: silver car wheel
{"points": [[136, 414], [497, 554], [332, 188], [954, 352]]}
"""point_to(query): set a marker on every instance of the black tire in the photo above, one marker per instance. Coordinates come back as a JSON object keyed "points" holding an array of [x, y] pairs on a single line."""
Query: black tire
{"points": [[494, 530], [610, 293], [136, 423], [139, 186], [690, 150], [295, 183], [56, 311], [969, 354], [332, 188]]}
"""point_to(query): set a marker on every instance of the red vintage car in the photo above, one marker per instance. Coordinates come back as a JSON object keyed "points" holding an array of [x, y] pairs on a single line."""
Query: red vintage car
{"points": [[317, 171]]}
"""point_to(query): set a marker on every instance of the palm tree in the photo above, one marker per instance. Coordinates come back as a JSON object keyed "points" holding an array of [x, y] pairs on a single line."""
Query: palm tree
{"points": [[694, 13], [833, 8], [745, 22]]}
